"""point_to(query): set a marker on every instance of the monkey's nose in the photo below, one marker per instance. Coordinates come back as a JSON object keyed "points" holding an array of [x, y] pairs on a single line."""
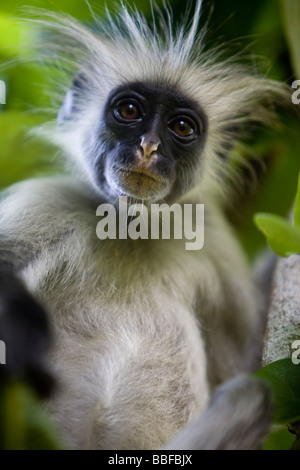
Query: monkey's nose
{"points": [[149, 145]]}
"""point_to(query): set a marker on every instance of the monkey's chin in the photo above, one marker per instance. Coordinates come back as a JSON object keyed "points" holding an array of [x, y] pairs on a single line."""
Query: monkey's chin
{"points": [[141, 185]]}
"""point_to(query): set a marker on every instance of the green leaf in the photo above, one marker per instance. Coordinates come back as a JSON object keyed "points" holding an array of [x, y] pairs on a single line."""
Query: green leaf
{"points": [[279, 438], [297, 205], [282, 237], [284, 379]]}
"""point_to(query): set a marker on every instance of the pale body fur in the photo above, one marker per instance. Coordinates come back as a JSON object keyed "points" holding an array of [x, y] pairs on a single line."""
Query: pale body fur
{"points": [[143, 330], [129, 317]]}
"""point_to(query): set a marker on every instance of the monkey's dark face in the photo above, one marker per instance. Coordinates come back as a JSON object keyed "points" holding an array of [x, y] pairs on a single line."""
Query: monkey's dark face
{"points": [[154, 137]]}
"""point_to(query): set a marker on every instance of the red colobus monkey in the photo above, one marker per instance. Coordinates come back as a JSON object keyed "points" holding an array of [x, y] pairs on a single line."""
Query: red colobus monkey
{"points": [[142, 330]]}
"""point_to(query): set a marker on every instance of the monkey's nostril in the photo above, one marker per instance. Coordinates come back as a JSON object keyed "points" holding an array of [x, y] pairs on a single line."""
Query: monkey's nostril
{"points": [[149, 145]]}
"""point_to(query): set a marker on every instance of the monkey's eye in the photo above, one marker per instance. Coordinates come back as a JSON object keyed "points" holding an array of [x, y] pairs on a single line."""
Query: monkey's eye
{"points": [[128, 112], [183, 129]]}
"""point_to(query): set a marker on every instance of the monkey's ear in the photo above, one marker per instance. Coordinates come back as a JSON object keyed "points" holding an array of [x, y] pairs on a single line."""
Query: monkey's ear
{"points": [[72, 99]]}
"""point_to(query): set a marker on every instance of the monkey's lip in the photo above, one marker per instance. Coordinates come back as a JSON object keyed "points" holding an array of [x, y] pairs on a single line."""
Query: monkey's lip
{"points": [[142, 173], [139, 182]]}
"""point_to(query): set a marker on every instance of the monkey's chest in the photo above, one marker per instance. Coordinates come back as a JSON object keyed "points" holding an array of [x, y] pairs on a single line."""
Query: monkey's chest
{"points": [[138, 377]]}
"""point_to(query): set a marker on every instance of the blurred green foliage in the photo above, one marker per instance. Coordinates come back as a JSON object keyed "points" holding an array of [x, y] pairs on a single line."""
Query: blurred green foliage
{"points": [[264, 29], [24, 424]]}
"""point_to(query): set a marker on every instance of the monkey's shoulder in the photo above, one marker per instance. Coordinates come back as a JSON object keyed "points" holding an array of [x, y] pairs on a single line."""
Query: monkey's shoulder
{"points": [[43, 209]]}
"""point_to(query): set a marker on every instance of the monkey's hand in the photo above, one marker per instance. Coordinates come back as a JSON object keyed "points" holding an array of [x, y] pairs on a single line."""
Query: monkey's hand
{"points": [[25, 333]]}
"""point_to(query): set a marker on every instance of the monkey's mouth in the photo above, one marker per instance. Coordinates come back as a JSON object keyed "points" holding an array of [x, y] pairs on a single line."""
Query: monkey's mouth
{"points": [[140, 183]]}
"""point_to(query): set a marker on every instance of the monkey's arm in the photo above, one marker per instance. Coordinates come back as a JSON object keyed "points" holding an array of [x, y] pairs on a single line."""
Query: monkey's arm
{"points": [[238, 417], [229, 306], [24, 324], [24, 328]]}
